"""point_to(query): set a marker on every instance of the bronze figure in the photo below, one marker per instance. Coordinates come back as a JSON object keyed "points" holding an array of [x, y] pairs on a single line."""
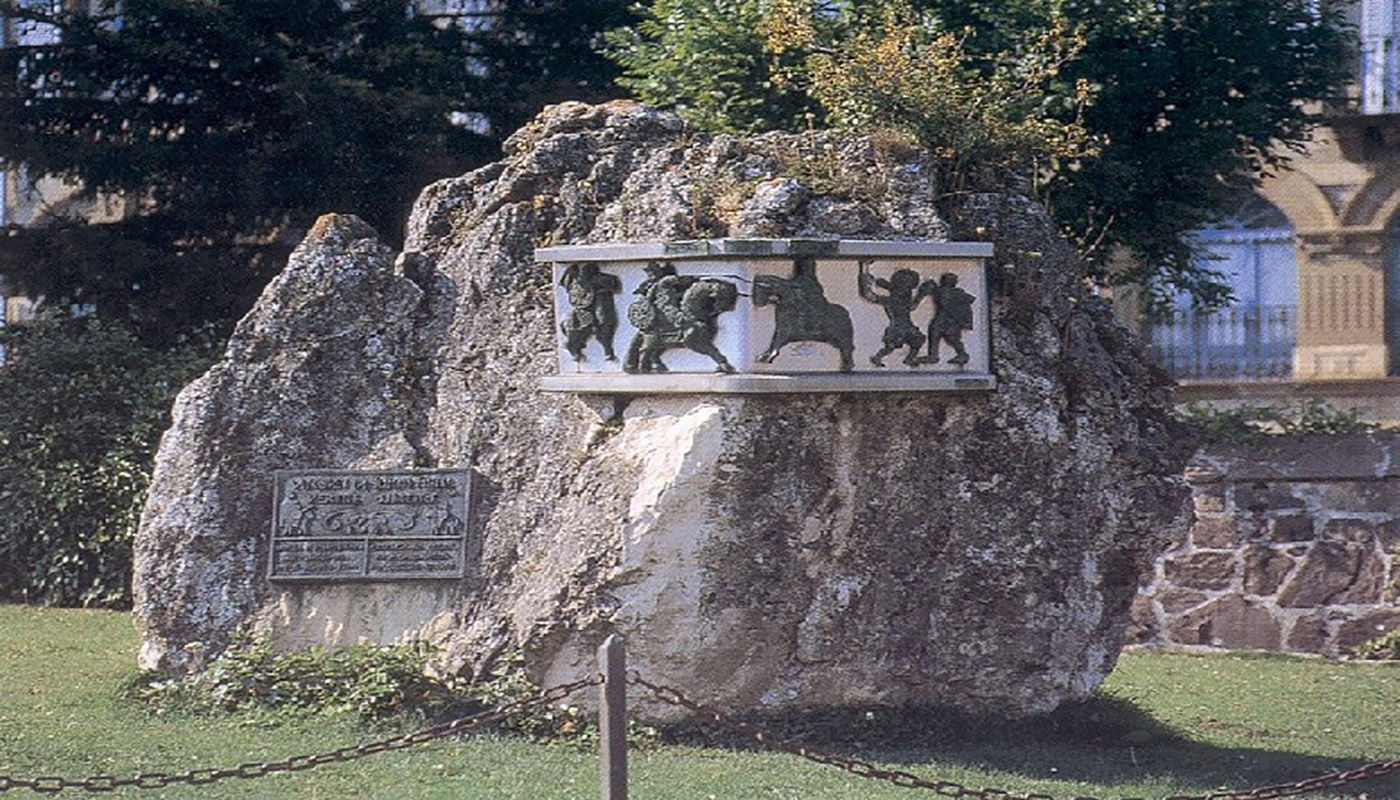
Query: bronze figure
{"points": [[802, 313], [592, 309], [677, 311], [952, 314], [898, 301]]}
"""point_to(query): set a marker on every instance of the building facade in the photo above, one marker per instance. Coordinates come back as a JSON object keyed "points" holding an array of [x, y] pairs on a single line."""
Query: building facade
{"points": [[1314, 259]]}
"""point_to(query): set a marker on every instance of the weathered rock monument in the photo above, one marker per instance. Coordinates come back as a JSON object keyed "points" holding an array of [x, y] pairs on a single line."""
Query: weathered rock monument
{"points": [[434, 444]]}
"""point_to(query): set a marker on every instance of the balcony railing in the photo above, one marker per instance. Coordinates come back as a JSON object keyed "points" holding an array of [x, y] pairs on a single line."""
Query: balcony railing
{"points": [[1251, 343]]}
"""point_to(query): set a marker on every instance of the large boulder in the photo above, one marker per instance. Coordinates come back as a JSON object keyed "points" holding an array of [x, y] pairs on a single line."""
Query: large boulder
{"points": [[777, 551]]}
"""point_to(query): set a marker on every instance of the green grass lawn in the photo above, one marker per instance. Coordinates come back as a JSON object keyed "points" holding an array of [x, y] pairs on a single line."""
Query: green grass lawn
{"points": [[1167, 724]]}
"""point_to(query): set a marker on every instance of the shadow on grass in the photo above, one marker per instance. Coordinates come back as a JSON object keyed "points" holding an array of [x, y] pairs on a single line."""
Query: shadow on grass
{"points": [[1104, 740]]}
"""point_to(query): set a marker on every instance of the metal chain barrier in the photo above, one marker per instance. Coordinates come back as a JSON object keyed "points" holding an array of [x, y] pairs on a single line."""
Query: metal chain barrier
{"points": [[257, 769], [865, 769], [668, 695]]}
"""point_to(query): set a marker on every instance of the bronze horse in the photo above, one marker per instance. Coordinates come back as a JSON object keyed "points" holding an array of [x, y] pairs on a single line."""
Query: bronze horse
{"points": [[803, 314], [677, 311]]}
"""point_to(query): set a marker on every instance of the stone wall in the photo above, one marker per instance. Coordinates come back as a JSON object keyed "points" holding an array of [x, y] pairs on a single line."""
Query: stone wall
{"points": [[1294, 547]]}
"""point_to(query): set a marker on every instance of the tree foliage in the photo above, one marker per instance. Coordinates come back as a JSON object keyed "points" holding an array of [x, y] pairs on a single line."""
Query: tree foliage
{"points": [[895, 68], [228, 125], [539, 52], [82, 406], [1183, 103], [711, 61]]}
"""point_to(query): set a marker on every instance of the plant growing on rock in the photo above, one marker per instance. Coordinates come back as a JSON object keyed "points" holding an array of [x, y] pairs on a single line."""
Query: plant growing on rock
{"points": [[897, 69], [1385, 647], [370, 683]]}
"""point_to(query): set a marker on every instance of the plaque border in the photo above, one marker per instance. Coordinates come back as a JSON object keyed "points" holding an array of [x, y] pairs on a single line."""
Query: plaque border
{"points": [[279, 475]]}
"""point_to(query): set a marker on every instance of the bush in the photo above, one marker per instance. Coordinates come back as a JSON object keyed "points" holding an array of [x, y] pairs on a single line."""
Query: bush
{"points": [[1385, 647], [82, 406], [881, 67], [363, 680], [372, 683], [1251, 424], [710, 60], [897, 69]]}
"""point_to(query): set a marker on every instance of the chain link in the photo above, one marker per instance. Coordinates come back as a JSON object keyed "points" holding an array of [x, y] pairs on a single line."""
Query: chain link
{"points": [[256, 769], [951, 789]]}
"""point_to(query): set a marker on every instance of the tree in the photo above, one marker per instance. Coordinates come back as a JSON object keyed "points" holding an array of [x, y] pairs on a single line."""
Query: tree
{"points": [[1187, 102], [710, 60], [548, 51], [82, 407], [228, 125]]}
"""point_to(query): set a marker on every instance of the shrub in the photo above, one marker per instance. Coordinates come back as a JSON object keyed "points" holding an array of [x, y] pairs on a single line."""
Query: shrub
{"points": [[1250, 423], [1385, 647], [881, 67], [82, 406], [373, 683], [710, 60], [896, 69], [363, 680]]}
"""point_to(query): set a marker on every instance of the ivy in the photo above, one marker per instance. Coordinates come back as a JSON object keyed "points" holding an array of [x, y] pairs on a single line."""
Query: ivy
{"points": [[370, 683]]}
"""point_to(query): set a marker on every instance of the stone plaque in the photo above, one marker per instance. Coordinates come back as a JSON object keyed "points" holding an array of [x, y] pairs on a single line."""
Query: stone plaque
{"points": [[338, 525]]}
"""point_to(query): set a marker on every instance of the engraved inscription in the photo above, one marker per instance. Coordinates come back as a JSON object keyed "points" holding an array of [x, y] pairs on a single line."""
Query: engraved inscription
{"points": [[319, 557], [343, 526], [395, 557]]}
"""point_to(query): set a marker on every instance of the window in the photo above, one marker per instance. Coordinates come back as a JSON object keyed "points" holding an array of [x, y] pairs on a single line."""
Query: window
{"points": [[1380, 79], [1392, 295], [1254, 336], [31, 33]]}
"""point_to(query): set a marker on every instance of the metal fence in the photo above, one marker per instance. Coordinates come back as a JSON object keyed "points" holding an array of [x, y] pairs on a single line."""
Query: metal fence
{"points": [[1250, 343]]}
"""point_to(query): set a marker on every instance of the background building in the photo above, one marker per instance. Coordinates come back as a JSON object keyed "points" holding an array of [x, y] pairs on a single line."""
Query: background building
{"points": [[1314, 260]]}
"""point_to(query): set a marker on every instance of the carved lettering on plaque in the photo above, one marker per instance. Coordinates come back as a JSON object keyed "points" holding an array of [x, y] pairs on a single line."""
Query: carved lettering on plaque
{"points": [[384, 525]]}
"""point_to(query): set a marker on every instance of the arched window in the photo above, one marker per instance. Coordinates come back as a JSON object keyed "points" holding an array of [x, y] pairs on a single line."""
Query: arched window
{"points": [[1253, 337]]}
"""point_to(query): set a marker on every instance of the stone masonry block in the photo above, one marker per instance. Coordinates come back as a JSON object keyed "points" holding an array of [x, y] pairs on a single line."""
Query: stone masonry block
{"points": [[1175, 600], [1262, 496], [1229, 622], [1308, 635], [1142, 622], [1202, 570], [1216, 532], [1388, 533], [1333, 573], [1265, 570], [1291, 528], [1209, 499], [1372, 496], [1358, 531]]}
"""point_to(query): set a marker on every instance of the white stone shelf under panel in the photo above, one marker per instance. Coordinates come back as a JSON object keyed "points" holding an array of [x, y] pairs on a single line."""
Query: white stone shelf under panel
{"points": [[715, 383]]}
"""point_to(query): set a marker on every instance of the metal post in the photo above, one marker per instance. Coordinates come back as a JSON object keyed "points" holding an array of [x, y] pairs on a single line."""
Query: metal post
{"points": [[612, 718]]}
